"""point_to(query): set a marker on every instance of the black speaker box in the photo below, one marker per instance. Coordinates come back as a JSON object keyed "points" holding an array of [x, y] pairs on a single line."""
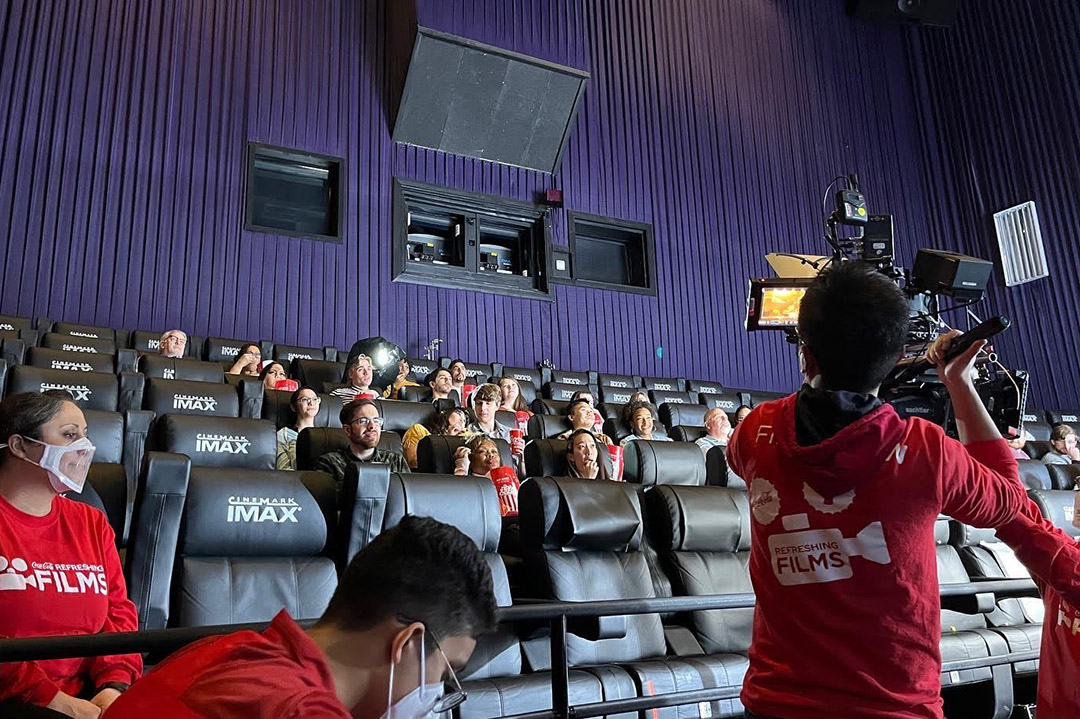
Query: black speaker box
{"points": [[939, 13], [950, 273]]}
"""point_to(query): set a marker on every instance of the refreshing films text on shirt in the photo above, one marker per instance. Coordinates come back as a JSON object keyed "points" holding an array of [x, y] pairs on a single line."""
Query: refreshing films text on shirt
{"points": [[18, 575]]}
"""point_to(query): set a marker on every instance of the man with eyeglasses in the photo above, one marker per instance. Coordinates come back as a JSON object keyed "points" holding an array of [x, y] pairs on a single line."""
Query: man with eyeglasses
{"points": [[403, 621], [173, 344], [362, 421]]}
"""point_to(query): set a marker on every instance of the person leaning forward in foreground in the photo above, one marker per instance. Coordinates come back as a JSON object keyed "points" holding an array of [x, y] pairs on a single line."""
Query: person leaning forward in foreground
{"points": [[403, 620], [844, 494]]}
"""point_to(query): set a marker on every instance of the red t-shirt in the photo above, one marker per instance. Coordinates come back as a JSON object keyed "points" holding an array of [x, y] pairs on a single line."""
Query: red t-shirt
{"points": [[278, 674], [60, 574], [843, 561]]}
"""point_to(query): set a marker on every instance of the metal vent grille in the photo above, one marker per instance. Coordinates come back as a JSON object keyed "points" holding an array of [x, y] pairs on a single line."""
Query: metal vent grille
{"points": [[1020, 241]]}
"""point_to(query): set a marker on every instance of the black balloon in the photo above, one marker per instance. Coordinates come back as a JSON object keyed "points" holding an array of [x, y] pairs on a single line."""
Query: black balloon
{"points": [[384, 356]]}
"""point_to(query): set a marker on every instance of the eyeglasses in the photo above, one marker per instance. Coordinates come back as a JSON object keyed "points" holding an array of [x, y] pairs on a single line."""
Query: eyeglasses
{"points": [[456, 697], [365, 421], [310, 400]]}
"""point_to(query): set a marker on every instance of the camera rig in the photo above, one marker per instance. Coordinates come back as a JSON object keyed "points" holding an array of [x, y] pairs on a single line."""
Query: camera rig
{"points": [[913, 388]]}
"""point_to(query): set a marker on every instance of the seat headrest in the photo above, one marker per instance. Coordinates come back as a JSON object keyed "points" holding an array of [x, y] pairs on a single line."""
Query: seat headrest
{"points": [[524, 374], [398, 416], [615, 395], [702, 387], [160, 367], [220, 349], [469, 503], [10, 323], [660, 397], [1038, 429], [415, 394], [313, 442], [435, 454], [421, 368], [685, 433], [179, 396], [316, 373], [244, 513], [562, 391], [87, 331], [581, 514], [72, 343], [1036, 449], [964, 535], [1034, 474], [941, 530], [651, 463], [70, 361], [663, 384], [276, 408], [567, 377], [546, 458], [1057, 505], [547, 425], [90, 390], [686, 415], [542, 405], [699, 519], [1063, 476], [217, 441], [611, 410], [106, 431], [1063, 416], [291, 353], [727, 401], [617, 381]]}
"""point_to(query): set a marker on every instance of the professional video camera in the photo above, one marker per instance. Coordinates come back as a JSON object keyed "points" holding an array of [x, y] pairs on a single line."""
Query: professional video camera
{"points": [[913, 387]]}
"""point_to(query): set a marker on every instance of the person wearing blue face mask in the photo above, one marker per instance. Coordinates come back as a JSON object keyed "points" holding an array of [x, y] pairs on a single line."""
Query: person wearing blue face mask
{"points": [[400, 626], [59, 569]]}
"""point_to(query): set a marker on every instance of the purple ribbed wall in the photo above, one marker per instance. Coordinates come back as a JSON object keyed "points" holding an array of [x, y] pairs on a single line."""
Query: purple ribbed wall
{"points": [[123, 126]]}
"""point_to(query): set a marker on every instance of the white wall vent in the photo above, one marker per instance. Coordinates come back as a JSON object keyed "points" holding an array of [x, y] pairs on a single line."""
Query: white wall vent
{"points": [[1020, 241]]}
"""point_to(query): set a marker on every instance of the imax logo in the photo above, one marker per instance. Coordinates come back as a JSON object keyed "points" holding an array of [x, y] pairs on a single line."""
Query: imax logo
{"points": [[168, 373], [194, 402], [222, 444], [1031, 418], [662, 387], [6, 326], [708, 390], [71, 366], [78, 348], [298, 355], [621, 398], [523, 378], [618, 383], [676, 400], [230, 351], [1070, 418], [153, 344], [727, 405], [263, 509], [571, 380], [80, 392], [91, 335]]}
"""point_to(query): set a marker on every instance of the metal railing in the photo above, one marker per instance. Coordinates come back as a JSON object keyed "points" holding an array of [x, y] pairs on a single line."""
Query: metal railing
{"points": [[555, 614]]}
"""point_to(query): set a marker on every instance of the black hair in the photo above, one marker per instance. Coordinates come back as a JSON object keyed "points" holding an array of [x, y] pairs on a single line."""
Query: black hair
{"points": [[738, 409], [269, 366], [351, 409], [441, 422], [457, 361], [579, 393], [574, 403], [296, 395], [631, 409], [854, 321], [421, 570], [602, 473], [430, 377], [25, 413], [243, 350]]}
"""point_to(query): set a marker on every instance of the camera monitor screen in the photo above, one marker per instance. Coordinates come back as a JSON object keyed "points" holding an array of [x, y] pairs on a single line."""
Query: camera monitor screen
{"points": [[774, 303]]}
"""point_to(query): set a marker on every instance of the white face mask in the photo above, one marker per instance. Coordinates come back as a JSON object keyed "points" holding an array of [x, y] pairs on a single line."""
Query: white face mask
{"points": [[420, 702], [67, 464]]}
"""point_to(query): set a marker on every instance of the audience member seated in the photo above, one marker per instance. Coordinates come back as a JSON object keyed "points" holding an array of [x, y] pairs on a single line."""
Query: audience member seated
{"points": [[582, 416], [359, 376], [740, 413], [402, 380], [411, 604], [717, 430], [173, 344], [583, 455], [485, 401], [362, 423], [46, 453], [1016, 444], [272, 374], [441, 383], [512, 401], [450, 423], [477, 457], [305, 404], [248, 362], [459, 373], [641, 423], [1063, 440]]}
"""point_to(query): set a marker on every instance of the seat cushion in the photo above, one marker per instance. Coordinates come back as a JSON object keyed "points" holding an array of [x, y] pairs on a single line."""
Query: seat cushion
{"points": [[1023, 638], [963, 645], [502, 696], [680, 674]]}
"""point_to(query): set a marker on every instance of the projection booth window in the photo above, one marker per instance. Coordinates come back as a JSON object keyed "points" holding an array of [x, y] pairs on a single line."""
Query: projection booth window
{"points": [[612, 254], [292, 192]]}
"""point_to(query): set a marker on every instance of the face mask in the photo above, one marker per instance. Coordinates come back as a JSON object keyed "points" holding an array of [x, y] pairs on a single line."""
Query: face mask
{"points": [[67, 464], [420, 702]]}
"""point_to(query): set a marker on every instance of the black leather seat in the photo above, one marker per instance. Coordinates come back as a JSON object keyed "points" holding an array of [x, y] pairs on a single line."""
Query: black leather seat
{"points": [[659, 397], [651, 463], [1037, 449], [717, 471], [547, 458], [398, 416], [275, 407], [216, 441], [1057, 506], [727, 401], [686, 433], [435, 453], [584, 380], [160, 367], [12, 323], [618, 381], [1034, 474], [313, 442], [422, 367], [556, 407], [74, 343], [92, 332], [562, 392], [703, 538], [177, 396], [291, 353], [1070, 417], [614, 396], [107, 486], [705, 388], [543, 426], [674, 414], [90, 390], [217, 546], [1035, 423], [317, 373], [664, 384], [46, 358], [1063, 476], [223, 350], [1018, 620]]}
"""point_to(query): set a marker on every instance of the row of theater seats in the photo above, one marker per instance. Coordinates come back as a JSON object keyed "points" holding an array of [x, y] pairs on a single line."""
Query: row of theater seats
{"points": [[215, 541]]}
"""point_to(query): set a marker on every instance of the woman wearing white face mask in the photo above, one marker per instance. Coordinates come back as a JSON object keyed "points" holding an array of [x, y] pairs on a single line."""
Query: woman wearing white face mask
{"points": [[402, 622], [59, 569]]}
